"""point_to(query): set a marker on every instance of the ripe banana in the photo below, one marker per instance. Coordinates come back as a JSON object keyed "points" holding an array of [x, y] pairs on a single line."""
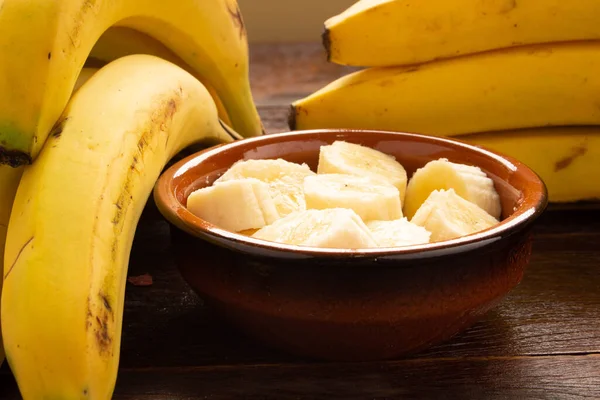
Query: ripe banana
{"points": [[285, 180], [565, 157], [49, 41], [401, 32], [9, 182], [546, 85], [370, 198], [119, 41], [235, 205], [447, 216], [399, 232], [74, 218], [349, 158], [469, 182], [338, 228]]}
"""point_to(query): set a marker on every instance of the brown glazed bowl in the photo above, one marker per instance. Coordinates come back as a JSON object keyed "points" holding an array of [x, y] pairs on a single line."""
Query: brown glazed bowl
{"points": [[345, 304]]}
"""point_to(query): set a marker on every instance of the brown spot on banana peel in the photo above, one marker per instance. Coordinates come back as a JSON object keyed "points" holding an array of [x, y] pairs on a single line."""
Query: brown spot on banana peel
{"points": [[88, 315], [106, 303], [578, 151], [103, 334], [159, 122], [165, 117], [80, 20], [27, 243], [238, 20], [59, 127], [101, 321]]}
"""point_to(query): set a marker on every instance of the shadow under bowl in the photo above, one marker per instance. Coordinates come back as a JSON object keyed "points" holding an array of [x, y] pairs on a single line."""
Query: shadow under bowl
{"points": [[355, 305]]}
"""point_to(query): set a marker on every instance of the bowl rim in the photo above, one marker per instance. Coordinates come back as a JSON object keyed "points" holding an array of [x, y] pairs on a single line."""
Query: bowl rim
{"points": [[528, 210]]}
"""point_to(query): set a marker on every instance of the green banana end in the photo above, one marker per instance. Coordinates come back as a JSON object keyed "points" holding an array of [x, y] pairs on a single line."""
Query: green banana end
{"points": [[14, 145], [326, 37], [292, 118]]}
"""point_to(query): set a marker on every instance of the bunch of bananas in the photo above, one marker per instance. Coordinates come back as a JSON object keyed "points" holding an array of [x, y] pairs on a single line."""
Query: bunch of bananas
{"points": [[516, 76], [95, 98]]}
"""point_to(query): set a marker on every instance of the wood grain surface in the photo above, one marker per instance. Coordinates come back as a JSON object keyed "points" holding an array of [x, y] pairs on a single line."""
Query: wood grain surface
{"points": [[541, 342]]}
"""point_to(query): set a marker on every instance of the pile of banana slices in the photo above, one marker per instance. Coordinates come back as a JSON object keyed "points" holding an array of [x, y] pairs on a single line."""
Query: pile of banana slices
{"points": [[358, 198]]}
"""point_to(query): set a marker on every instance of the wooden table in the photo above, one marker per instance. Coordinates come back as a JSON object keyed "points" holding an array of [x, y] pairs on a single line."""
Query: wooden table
{"points": [[541, 342]]}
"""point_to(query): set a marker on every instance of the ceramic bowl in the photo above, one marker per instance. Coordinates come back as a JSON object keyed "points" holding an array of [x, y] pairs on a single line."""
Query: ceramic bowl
{"points": [[344, 304]]}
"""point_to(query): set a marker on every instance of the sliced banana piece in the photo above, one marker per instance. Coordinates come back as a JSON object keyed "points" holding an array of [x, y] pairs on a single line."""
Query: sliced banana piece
{"points": [[236, 205], [399, 232], [447, 216], [332, 228], [285, 180], [469, 182], [371, 198], [349, 158]]}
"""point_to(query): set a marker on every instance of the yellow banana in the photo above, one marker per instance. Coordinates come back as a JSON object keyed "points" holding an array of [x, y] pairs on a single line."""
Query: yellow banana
{"points": [[545, 85], [49, 41], [119, 41], [74, 218], [9, 182], [400, 32], [565, 157]]}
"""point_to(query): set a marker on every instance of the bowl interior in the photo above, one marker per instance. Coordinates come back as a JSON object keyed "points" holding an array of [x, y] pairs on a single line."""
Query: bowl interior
{"points": [[523, 194]]}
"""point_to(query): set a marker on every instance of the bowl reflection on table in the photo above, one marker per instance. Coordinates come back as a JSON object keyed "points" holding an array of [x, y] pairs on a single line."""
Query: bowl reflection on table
{"points": [[343, 304]]}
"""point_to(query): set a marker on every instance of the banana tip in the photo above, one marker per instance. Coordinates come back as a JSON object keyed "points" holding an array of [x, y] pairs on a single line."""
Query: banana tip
{"points": [[14, 158], [292, 118], [326, 37]]}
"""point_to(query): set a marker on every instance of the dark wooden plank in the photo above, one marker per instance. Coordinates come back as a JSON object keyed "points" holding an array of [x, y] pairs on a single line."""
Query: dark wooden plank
{"points": [[274, 118], [282, 73], [562, 377], [554, 311]]}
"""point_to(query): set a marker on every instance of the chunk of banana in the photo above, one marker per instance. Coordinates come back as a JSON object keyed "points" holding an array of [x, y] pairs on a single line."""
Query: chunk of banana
{"points": [[349, 158], [447, 216], [371, 198], [469, 182], [399, 232], [354, 201], [285, 180], [339, 228], [236, 205]]}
